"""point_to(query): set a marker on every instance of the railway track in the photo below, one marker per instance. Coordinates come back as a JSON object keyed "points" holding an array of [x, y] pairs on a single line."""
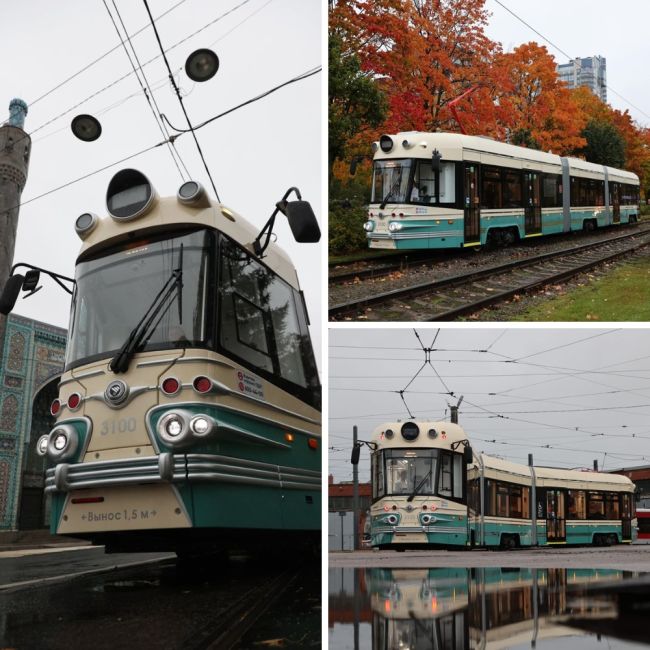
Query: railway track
{"points": [[381, 266], [451, 297]]}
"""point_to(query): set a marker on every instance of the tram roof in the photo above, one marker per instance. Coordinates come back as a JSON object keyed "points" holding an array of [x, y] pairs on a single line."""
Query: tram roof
{"points": [[168, 213], [457, 146], [447, 433], [551, 475]]}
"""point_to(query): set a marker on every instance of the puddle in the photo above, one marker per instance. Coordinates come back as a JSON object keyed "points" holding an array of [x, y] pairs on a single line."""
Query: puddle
{"points": [[462, 609]]}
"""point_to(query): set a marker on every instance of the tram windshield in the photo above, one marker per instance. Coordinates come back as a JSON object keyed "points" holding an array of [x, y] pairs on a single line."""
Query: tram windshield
{"points": [[417, 472], [390, 181], [413, 181], [115, 290]]}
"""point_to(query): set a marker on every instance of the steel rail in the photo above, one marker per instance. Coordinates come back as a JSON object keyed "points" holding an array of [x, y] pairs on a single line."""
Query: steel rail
{"points": [[467, 279]]}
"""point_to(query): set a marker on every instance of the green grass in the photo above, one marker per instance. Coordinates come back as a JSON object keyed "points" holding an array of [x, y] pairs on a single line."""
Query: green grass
{"points": [[622, 295]]}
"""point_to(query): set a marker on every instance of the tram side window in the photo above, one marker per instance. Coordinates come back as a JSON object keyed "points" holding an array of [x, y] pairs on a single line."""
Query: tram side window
{"points": [[424, 183], [451, 476], [551, 191], [378, 490], [512, 188], [596, 506], [261, 321], [612, 510], [507, 500], [577, 505], [491, 194]]}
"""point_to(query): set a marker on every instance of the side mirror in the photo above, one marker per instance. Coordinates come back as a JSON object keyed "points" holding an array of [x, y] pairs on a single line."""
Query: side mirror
{"points": [[356, 453], [302, 222], [436, 159], [10, 293], [468, 455]]}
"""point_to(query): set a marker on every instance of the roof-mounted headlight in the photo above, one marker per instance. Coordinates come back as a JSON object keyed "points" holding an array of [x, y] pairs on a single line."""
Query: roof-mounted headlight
{"points": [[386, 143], [129, 195], [85, 224], [410, 431], [192, 193]]}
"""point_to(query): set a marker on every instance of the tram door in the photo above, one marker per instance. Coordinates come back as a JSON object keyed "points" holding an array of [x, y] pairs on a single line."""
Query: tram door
{"points": [[615, 197], [626, 517], [555, 516], [532, 202], [472, 214]]}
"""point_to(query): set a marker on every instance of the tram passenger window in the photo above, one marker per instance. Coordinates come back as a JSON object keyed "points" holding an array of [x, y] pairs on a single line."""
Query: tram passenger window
{"points": [[491, 188], [551, 192], [515, 502], [511, 189], [612, 510], [458, 476], [577, 504], [502, 500], [525, 503], [596, 506]]}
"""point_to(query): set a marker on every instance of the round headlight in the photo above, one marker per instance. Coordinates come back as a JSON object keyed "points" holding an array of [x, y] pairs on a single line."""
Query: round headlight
{"points": [[389, 433], [129, 195], [174, 428], [394, 226], [369, 226], [85, 224], [433, 434], [410, 431], [62, 442], [41, 445], [202, 425], [386, 143], [426, 519]]}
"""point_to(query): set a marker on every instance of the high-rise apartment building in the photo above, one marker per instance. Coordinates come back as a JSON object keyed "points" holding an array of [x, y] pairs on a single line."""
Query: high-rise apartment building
{"points": [[590, 72]]}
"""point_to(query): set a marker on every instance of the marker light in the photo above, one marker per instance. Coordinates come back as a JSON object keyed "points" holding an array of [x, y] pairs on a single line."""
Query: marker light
{"points": [[202, 384], [55, 407], [170, 386], [74, 401], [288, 437], [389, 433], [313, 443]]}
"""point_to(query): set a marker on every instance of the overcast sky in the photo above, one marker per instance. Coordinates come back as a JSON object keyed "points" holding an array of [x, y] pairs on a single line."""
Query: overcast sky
{"points": [[584, 392], [581, 28], [254, 154]]}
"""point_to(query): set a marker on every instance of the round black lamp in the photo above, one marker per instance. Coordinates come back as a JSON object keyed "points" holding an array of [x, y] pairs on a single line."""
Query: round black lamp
{"points": [[202, 65], [86, 128]]}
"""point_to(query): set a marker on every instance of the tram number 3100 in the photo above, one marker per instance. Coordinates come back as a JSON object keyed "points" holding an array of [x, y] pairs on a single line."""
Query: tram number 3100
{"points": [[121, 425]]}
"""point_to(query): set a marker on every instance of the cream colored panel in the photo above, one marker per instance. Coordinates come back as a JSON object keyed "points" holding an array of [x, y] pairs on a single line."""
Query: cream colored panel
{"points": [[124, 508]]}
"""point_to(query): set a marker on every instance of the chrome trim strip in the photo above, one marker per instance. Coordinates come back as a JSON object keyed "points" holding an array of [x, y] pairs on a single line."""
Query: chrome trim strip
{"points": [[156, 362], [133, 393], [178, 468], [250, 437]]}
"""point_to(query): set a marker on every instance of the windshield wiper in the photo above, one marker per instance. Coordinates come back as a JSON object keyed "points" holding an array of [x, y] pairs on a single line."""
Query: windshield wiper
{"points": [[419, 487], [143, 330], [392, 191]]}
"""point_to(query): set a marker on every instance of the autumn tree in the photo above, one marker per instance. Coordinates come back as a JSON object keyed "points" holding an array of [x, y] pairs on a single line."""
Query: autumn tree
{"points": [[534, 106]]}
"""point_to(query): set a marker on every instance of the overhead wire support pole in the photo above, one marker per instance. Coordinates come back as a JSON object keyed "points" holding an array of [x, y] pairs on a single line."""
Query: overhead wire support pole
{"points": [[180, 99]]}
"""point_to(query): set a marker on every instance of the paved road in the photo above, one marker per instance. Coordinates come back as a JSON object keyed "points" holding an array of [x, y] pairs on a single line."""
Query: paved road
{"points": [[630, 558], [21, 569]]}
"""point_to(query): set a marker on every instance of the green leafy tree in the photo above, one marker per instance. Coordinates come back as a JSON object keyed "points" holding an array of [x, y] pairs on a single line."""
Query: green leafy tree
{"points": [[605, 145], [354, 99]]}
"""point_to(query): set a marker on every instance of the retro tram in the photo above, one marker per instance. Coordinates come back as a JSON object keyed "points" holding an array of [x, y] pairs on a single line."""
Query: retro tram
{"points": [[447, 190], [430, 489], [188, 412]]}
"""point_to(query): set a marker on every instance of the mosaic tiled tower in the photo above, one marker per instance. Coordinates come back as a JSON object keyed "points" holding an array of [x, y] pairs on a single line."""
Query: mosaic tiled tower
{"points": [[15, 149], [31, 357]]}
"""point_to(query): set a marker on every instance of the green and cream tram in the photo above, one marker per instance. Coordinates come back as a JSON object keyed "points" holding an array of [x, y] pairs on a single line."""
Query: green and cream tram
{"points": [[429, 488], [189, 407]]}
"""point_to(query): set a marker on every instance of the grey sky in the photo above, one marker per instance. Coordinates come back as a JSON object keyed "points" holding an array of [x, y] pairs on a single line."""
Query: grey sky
{"points": [[618, 31], [254, 154], [585, 392]]}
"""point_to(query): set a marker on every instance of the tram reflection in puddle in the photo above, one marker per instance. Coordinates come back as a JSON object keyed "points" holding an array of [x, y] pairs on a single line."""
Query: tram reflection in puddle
{"points": [[460, 609]]}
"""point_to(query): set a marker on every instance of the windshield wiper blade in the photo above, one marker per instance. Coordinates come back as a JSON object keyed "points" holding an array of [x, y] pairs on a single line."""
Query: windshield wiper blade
{"points": [[419, 487], [392, 191], [156, 310]]}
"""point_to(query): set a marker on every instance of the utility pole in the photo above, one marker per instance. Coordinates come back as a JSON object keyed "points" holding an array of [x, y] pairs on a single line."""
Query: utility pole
{"points": [[454, 410], [355, 494], [15, 149]]}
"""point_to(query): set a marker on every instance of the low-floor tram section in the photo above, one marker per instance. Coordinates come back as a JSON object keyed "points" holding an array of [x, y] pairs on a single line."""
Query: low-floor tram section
{"points": [[430, 489]]}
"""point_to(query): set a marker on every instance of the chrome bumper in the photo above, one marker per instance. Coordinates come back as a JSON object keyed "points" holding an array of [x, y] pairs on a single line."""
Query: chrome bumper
{"points": [[179, 468]]}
